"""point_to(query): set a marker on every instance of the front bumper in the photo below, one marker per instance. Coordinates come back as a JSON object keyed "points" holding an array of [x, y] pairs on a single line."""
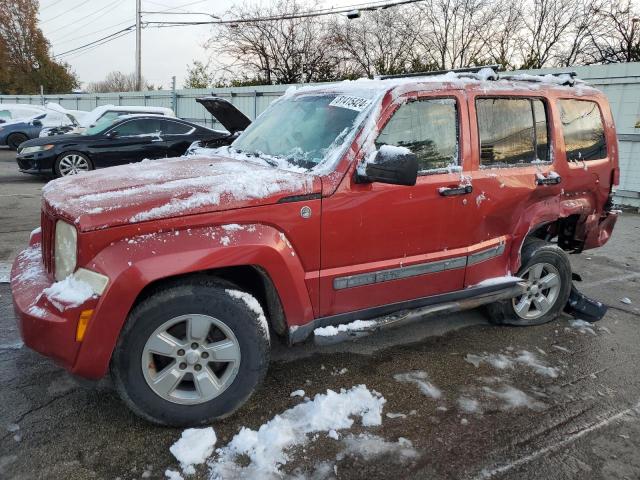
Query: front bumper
{"points": [[40, 163], [43, 327]]}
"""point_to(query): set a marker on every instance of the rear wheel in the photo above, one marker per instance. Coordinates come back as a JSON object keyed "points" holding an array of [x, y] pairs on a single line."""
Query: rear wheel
{"points": [[71, 163], [547, 272], [191, 353], [15, 139]]}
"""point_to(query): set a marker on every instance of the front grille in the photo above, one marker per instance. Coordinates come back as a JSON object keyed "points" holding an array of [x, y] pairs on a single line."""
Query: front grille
{"points": [[48, 226]]}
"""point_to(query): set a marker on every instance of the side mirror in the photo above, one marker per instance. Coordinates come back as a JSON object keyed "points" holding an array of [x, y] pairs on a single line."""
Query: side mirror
{"points": [[390, 164], [36, 123]]}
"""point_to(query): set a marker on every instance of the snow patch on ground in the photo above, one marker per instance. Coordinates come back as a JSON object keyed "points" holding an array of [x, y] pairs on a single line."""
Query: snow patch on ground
{"points": [[421, 379], [509, 360], [370, 446], [346, 327], [582, 326], [264, 451], [297, 393], [68, 293], [513, 398], [469, 405], [193, 448]]}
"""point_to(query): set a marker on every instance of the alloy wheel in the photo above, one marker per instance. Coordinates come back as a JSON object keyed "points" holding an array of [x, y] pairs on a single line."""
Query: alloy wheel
{"points": [[543, 288], [191, 359], [73, 164]]}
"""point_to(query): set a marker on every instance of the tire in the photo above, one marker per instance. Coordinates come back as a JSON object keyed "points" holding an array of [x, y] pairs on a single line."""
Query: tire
{"points": [[15, 139], [542, 260], [134, 369], [71, 163]]}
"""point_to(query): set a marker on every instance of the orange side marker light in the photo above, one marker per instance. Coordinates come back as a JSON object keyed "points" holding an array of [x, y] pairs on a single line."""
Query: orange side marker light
{"points": [[83, 323]]}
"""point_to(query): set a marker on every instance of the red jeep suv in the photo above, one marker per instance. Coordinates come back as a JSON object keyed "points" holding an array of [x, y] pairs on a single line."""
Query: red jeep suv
{"points": [[341, 202]]}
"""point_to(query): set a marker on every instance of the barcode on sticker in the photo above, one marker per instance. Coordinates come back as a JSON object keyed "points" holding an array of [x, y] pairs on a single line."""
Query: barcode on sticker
{"points": [[353, 103]]}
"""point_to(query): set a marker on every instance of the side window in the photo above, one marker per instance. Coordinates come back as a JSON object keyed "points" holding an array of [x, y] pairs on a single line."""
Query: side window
{"points": [[513, 131], [141, 127], [175, 128], [429, 128], [582, 130]]}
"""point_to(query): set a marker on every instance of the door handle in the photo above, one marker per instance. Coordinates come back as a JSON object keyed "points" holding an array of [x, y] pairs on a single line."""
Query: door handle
{"points": [[548, 180], [451, 191]]}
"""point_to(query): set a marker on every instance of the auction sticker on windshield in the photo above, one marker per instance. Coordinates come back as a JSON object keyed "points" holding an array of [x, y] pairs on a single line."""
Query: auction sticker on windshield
{"points": [[353, 103]]}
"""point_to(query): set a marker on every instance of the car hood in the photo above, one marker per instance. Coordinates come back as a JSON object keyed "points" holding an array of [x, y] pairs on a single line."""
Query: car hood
{"points": [[173, 187], [226, 113], [52, 140]]}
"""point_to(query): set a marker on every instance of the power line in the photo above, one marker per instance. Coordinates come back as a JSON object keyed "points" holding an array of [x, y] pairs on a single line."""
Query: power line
{"points": [[130, 27], [61, 39], [292, 16], [50, 5], [88, 49], [109, 6], [65, 12]]}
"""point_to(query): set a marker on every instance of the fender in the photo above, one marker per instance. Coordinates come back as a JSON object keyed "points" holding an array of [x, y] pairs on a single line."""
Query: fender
{"points": [[134, 263], [549, 210]]}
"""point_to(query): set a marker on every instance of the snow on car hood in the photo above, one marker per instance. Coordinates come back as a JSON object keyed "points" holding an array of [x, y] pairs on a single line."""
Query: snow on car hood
{"points": [[169, 188]]}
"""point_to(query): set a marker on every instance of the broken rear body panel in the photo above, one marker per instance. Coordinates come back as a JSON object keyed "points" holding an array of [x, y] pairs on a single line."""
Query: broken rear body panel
{"points": [[360, 248]]}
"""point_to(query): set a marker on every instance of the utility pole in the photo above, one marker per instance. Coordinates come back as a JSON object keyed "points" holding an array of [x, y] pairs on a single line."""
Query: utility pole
{"points": [[138, 46]]}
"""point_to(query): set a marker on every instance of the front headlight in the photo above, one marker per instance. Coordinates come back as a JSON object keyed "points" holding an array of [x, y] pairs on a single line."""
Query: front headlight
{"points": [[65, 249], [39, 148]]}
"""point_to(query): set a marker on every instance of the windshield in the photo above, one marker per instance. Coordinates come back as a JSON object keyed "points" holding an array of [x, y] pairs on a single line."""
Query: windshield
{"points": [[101, 125], [303, 129]]}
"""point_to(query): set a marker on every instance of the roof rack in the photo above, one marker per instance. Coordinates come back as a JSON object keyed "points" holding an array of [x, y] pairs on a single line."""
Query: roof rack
{"points": [[570, 82], [473, 72], [469, 70]]}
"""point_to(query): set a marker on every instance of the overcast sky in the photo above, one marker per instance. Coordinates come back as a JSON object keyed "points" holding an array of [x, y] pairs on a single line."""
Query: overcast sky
{"points": [[165, 51]]}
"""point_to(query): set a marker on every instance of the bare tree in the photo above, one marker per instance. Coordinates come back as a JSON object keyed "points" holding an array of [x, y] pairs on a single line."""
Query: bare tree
{"points": [[452, 32], [546, 22], [502, 33], [118, 82], [276, 51], [380, 42], [618, 39]]}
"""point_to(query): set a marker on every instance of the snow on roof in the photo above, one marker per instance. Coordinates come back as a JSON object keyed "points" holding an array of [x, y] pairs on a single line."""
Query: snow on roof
{"points": [[97, 112], [369, 87]]}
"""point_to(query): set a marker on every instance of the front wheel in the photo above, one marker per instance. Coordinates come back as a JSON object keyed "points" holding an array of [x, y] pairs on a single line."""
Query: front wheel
{"points": [[15, 139], [191, 353], [547, 273], [71, 163]]}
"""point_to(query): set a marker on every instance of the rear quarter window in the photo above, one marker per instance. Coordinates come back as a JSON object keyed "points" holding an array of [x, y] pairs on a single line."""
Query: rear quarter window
{"points": [[583, 130]]}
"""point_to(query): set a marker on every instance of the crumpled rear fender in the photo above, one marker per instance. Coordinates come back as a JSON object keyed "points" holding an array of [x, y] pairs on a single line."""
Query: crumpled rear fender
{"points": [[548, 210], [133, 263]]}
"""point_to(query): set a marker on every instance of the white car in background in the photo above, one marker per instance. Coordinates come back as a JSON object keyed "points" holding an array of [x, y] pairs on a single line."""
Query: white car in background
{"points": [[102, 113], [17, 111]]}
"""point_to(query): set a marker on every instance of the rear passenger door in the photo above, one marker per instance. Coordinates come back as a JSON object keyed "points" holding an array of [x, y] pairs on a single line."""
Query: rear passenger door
{"points": [[177, 136], [511, 175]]}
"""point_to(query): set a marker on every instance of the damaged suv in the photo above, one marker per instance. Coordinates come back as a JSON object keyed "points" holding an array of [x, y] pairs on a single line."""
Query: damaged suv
{"points": [[340, 202]]}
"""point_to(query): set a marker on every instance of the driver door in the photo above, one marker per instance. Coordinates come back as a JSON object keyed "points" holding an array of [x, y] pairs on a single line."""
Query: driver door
{"points": [[384, 244]]}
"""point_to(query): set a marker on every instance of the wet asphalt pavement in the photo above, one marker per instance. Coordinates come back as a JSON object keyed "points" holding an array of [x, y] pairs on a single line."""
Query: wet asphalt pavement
{"points": [[577, 414]]}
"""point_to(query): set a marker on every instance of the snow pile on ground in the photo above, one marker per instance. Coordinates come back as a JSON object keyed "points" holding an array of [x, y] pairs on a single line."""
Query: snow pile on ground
{"points": [[370, 446], [469, 405], [346, 327], [193, 448], [68, 293], [264, 451], [509, 360], [421, 379]]}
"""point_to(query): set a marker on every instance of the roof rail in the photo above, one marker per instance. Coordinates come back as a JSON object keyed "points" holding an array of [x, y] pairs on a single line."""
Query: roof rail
{"points": [[569, 82], [469, 70]]}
